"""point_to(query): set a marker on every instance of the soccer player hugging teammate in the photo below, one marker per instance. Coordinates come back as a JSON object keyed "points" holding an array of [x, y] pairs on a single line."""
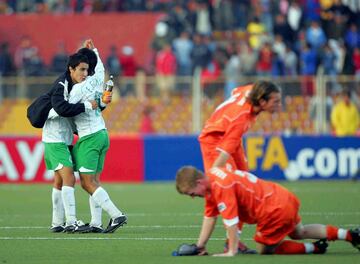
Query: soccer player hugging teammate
{"points": [[90, 150]]}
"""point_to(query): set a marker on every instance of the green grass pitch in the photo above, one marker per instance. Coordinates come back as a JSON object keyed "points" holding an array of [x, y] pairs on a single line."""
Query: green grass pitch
{"points": [[159, 220]]}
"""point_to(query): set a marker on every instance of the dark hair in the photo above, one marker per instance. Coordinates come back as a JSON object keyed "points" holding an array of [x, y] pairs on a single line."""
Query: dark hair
{"points": [[75, 59], [262, 90], [90, 54]]}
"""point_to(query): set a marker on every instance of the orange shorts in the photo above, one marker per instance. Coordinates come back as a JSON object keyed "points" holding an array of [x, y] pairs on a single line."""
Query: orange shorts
{"points": [[237, 161], [278, 221]]}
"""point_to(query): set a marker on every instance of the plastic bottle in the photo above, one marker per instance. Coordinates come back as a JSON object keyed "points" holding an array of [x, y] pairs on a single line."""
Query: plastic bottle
{"points": [[109, 85]]}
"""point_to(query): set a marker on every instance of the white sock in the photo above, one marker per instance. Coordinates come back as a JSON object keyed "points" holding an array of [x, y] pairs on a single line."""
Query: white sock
{"points": [[102, 198], [96, 212], [68, 197], [58, 213], [309, 248]]}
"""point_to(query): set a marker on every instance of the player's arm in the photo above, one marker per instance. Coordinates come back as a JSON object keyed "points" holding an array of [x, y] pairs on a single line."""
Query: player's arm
{"points": [[232, 232], [65, 108], [221, 159], [230, 142], [207, 228]]}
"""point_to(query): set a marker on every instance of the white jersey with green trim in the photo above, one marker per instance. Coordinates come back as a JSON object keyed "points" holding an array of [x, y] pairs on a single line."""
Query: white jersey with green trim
{"points": [[89, 122]]}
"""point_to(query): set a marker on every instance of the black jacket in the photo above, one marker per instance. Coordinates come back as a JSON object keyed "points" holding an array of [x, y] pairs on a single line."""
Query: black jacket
{"points": [[56, 98]]}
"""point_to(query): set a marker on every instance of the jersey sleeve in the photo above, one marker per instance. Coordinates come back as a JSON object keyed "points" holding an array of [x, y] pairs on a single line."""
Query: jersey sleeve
{"points": [[99, 74], [226, 204], [210, 207], [232, 137]]}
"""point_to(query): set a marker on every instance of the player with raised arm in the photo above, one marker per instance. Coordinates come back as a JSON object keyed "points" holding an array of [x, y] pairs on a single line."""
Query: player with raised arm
{"points": [[241, 196], [90, 150], [57, 135]]}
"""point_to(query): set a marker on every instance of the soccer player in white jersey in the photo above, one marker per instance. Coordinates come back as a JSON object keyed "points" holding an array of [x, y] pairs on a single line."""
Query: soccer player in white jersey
{"points": [[57, 135], [90, 150]]}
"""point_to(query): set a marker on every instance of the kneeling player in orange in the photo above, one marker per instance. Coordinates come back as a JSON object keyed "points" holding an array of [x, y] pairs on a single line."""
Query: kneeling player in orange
{"points": [[241, 197]]}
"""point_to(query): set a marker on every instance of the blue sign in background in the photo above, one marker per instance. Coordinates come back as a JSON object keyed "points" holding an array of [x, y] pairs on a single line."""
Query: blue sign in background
{"points": [[273, 157]]}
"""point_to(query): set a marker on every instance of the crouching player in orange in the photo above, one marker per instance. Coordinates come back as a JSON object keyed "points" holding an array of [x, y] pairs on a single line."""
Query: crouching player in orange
{"points": [[241, 196]]}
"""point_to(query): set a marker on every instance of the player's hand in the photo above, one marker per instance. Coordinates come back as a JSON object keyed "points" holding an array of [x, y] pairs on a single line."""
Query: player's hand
{"points": [[94, 104], [89, 44], [190, 250], [107, 98], [227, 254]]}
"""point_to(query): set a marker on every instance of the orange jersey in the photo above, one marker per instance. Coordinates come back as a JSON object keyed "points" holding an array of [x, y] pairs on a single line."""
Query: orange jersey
{"points": [[229, 122], [240, 195]]}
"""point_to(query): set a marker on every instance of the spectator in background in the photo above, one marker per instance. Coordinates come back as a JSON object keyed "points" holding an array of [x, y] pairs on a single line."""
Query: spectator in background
{"points": [[282, 28], [256, 31], [315, 36], [146, 123], [200, 54], [356, 62], [165, 72], [23, 52], [163, 35], [232, 70], [224, 15], [345, 118], [328, 60], [290, 62], [241, 13], [352, 37], [248, 58], [203, 18], [34, 65], [265, 59], [112, 62], [308, 67], [60, 59], [128, 66], [183, 47], [6, 62], [295, 17], [178, 20]]}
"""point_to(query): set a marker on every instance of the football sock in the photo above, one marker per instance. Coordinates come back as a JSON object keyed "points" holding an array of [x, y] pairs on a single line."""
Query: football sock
{"points": [[102, 198], [96, 212], [68, 197], [334, 233], [288, 247], [58, 213]]}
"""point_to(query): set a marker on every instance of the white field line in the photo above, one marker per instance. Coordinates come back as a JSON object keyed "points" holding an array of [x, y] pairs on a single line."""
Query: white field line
{"points": [[112, 238], [190, 214], [143, 226]]}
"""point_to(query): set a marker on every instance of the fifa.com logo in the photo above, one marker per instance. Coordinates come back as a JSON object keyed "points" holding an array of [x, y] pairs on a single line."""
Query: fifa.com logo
{"points": [[324, 162]]}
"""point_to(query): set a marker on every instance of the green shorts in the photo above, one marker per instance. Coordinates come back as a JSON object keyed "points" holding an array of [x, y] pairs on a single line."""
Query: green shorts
{"points": [[90, 151], [57, 156]]}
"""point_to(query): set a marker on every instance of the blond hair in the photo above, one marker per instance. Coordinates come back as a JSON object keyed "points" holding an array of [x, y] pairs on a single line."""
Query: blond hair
{"points": [[186, 178]]}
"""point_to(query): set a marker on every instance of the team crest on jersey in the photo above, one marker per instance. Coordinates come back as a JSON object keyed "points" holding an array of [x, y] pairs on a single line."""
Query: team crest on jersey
{"points": [[221, 207]]}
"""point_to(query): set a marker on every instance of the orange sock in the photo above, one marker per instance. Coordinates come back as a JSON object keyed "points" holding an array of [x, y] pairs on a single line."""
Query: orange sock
{"points": [[288, 247], [334, 233]]}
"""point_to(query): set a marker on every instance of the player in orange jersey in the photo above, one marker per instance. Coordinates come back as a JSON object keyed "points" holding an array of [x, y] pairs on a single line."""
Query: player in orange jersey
{"points": [[241, 196], [221, 138]]}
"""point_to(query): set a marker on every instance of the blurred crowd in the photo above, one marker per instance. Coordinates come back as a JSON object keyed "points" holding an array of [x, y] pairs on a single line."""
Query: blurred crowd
{"points": [[229, 38]]}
